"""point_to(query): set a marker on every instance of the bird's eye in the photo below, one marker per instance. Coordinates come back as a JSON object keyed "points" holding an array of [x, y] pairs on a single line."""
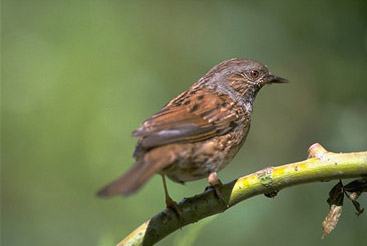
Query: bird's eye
{"points": [[254, 74]]}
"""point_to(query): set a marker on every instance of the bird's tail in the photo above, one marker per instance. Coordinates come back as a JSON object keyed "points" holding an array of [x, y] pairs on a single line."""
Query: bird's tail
{"points": [[136, 176]]}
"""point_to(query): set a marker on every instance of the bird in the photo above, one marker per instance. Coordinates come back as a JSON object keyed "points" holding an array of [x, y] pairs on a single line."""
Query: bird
{"points": [[198, 132]]}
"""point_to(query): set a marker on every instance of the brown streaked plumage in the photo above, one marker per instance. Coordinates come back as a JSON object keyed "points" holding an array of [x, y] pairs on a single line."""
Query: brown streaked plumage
{"points": [[199, 132]]}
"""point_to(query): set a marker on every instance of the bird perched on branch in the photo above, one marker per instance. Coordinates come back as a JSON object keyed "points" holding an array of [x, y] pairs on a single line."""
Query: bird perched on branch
{"points": [[198, 132]]}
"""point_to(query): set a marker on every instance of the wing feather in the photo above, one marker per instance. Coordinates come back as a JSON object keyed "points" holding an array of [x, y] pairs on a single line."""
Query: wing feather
{"points": [[195, 118]]}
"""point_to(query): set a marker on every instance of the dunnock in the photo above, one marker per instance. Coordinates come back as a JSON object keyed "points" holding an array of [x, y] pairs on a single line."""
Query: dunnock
{"points": [[199, 132]]}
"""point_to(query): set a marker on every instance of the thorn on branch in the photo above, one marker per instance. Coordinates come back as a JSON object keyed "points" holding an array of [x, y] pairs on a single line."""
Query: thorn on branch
{"points": [[316, 151]]}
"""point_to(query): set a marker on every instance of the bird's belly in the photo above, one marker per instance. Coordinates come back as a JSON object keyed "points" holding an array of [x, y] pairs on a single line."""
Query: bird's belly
{"points": [[197, 160], [182, 176]]}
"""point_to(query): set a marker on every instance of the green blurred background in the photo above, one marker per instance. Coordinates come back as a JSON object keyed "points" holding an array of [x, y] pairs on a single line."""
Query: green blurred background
{"points": [[79, 76]]}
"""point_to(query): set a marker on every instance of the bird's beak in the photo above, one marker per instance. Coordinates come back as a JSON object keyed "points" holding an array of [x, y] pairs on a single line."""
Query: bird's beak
{"points": [[276, 79]]}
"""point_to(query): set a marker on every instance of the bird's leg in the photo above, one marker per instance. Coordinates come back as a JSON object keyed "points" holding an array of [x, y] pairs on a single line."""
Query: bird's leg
{"points": [[169, 202], [217, 185]]}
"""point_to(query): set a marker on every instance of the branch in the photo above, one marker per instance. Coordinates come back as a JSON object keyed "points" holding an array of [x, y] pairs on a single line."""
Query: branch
{"points": [[320, 165]]}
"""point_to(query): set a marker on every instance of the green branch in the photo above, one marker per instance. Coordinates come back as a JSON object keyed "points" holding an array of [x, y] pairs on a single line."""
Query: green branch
{"points": [[321, 165]]}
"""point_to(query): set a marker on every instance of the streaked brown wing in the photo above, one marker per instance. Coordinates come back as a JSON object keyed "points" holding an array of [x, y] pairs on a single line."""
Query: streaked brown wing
{"points": [[189, 119]]}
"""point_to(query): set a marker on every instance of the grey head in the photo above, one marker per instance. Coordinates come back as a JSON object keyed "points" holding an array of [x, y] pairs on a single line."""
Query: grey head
{"points": [[239, 78]]}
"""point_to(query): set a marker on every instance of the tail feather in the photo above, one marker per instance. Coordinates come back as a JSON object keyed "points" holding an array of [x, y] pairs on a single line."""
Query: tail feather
{"points": [[136, 176], [128, 183], [142, 170]]}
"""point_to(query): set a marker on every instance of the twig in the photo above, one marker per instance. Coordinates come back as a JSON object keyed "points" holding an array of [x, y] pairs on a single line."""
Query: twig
{"points": [[321, 165]]}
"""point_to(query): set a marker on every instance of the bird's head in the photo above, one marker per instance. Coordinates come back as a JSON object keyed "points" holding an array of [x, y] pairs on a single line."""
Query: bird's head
{"points": [[240, 78]]}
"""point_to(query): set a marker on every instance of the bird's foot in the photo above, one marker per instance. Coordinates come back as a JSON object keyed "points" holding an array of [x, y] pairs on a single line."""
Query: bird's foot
{"points": [[169, 202], [217, 185], [173, 205]]}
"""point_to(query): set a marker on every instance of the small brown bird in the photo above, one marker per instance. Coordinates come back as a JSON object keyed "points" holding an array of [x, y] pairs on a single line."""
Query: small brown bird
{"points": [[199, 132]]}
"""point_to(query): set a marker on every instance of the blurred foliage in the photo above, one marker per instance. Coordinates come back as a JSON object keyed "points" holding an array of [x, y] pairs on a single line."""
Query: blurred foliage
{"points": [[79, 76]]}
